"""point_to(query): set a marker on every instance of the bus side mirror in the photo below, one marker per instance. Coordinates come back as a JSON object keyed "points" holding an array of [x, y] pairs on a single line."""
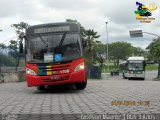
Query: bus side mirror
{"points": [[20, 47], [145, 65], [84, 42]]}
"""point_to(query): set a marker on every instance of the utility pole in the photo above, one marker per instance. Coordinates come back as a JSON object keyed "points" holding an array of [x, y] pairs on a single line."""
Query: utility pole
{"points": [[107, 47], [0, 63]]}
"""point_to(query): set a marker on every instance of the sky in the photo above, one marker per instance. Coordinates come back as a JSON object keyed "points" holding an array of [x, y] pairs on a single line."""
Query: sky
{"points": [[92, 14]]}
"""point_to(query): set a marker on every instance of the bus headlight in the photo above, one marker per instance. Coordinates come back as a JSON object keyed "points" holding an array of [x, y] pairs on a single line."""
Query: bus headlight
{"points": [[79, 67], [30, 72]]}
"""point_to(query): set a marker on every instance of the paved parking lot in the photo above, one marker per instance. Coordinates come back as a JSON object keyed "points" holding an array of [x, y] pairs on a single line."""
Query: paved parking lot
{"points": [[112, 95]]}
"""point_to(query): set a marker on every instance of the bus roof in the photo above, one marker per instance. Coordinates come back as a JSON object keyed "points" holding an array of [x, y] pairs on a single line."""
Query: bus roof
{"points": [[52, 28], [136, 58]]}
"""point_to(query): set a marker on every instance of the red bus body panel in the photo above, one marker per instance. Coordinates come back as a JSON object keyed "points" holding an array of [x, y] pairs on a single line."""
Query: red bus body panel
{"points": [[56, 76]]}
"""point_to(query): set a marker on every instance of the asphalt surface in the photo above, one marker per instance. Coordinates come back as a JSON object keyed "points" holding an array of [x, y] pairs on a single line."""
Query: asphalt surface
{"points": [[113, 95]]}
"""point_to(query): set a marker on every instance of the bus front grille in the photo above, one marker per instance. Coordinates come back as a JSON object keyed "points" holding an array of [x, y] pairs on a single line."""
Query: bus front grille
{"points": [[53, 69]]}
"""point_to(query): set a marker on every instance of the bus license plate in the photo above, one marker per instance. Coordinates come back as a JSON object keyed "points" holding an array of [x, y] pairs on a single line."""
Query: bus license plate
{"points": [[55, 77], [64, 71]]}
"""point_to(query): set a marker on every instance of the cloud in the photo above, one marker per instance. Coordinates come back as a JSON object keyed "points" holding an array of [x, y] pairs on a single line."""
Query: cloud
{"points": [[92, 14], [68, 5]]}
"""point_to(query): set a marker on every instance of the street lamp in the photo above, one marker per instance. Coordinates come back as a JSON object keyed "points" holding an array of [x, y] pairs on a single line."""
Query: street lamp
{"points": [[0, 63], [139, 33], [107, 47]]}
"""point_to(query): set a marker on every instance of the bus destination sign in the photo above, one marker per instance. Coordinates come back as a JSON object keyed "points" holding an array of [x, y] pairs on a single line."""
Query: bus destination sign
{"points": [[135, 61], [51, 29]]}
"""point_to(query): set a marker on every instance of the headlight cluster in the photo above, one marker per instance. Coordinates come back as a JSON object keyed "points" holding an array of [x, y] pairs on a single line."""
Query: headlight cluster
{"points": [[30, 72], [79, 67]]}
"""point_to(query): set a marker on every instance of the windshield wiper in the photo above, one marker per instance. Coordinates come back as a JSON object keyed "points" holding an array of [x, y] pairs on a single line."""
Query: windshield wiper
{"points": [[46, 45], [61, 41]]}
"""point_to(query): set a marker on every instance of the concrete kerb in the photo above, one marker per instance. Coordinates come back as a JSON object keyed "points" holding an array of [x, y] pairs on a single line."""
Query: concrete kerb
{"points": [[12, 77]]}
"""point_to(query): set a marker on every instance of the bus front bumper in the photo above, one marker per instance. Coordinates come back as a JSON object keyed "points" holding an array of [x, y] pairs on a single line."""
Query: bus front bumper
{"points": [[135, 76], [72, 78]]}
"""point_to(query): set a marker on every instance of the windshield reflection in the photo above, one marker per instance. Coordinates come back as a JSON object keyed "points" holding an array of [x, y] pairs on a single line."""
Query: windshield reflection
{"points": [[135, 66], [69, 48]]}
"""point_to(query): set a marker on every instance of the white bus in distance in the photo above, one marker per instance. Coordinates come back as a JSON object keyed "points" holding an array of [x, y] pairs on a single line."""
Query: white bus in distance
{"points": [[135, 68]]}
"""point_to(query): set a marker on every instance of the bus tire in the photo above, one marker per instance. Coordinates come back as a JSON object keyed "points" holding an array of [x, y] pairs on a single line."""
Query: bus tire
{"points": [[143, 78], [41, 87], [81, 86], [124, 76]]}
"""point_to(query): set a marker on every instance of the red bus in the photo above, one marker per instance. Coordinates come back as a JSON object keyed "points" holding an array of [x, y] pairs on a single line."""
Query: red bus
{"points": [[54, 55]]}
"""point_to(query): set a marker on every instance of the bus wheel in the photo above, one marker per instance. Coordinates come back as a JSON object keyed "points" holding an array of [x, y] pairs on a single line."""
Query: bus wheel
{"points": [[81, 86], [124, 76], [143, 78], [41, 87]]}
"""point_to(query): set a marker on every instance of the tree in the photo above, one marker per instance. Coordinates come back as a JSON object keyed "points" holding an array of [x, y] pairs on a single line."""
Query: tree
{"points": [[119, 51], [13, 48], [154, 48], [137, 51], [19, 29], [82, 29], [90, 38], [100, 53], [2, 47], [6, 60]]}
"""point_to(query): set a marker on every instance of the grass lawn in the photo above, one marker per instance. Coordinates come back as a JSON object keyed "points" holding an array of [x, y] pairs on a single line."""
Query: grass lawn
{"points": [[111, 67], [149, 67]]}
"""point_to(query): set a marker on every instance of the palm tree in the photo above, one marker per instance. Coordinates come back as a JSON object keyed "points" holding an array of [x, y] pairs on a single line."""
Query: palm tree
{"points": [[90, 37]]}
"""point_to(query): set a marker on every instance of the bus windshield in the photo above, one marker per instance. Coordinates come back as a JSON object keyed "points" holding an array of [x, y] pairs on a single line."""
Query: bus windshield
{"points": [[135, 66], [68, 45]]}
